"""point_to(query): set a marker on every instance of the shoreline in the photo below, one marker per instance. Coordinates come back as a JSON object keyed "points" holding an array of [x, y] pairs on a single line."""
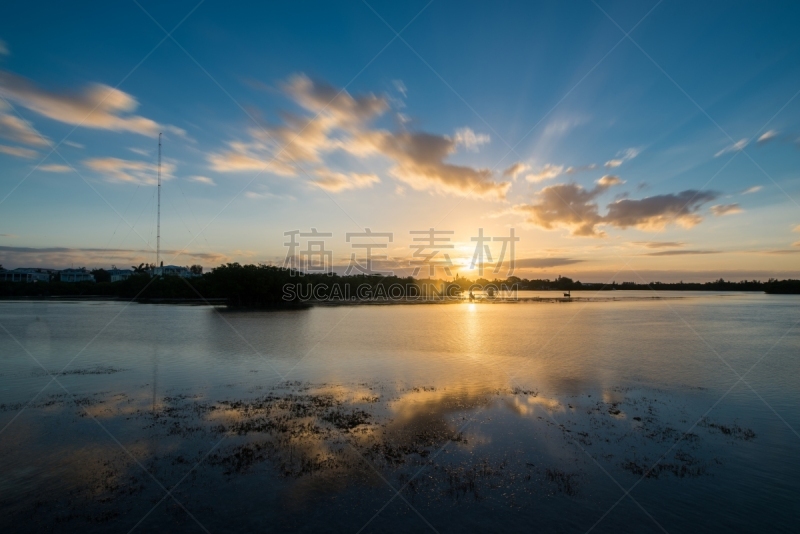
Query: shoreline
{"points": [[221, 302]]}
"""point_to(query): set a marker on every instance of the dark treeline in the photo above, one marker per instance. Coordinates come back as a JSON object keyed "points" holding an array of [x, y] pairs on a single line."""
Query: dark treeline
{"points": [[564, 283], [239, 286], [261, 286]]}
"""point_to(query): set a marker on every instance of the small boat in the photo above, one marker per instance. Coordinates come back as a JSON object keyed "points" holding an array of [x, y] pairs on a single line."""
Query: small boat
{"points": [[567, 294]]}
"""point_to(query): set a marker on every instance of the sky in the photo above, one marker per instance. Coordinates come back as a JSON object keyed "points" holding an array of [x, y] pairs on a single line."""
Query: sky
{"points": [[633, 141]]}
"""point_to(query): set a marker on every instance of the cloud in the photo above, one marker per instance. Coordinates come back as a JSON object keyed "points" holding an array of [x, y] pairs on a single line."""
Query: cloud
{"points": [[767, 136], [401, 87], [609, 180], [567, 205], [341, 122], [548, 172], [18, 151], [751, 190], [725, 209], [796, 229], [682, 252], [654, 213], [136, 172], [543, 263], [97, 106], [780, 251], [660, 244], [73, 144], [59, 257], [622, 157], [201, 180], [284, 149], [736, 147], [419, 162], [337, 181], [18, 130], [575, 208], [470, 140], [4, 49], [581, 168], [55, 167], [515, 170], [263, 192]]}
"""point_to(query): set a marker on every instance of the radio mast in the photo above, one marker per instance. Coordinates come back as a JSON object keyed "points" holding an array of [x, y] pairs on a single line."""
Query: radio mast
{"points": [[158, 223]]}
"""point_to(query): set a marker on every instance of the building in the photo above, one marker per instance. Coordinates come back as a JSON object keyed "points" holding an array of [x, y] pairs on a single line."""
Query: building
{"points": [[174, 270], [24, 275], [117, 275], [76, 275]]}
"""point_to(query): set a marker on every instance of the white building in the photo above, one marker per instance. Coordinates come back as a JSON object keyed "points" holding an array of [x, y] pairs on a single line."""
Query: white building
{"points": [[174, 270], [76, 275], [117, 275], [24, 275]]}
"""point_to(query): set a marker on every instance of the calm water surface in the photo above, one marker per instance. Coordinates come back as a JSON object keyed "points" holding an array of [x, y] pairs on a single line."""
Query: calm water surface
{"points": [[490, 417]]}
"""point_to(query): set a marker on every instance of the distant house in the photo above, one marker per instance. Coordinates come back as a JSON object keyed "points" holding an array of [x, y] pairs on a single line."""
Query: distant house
{"points": [[76, 275], [117, 275], [24, 275], [174, 270]]}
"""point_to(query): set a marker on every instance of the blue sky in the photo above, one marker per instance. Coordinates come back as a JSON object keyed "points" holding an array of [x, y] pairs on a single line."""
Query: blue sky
{"points": [[600, 136]]}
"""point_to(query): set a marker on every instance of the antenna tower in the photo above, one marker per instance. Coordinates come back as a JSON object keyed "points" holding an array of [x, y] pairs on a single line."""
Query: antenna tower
{"points": [[158, 223]]}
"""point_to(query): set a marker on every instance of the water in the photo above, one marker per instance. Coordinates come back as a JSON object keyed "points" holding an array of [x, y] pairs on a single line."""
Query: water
{"points": [[490, 417]]}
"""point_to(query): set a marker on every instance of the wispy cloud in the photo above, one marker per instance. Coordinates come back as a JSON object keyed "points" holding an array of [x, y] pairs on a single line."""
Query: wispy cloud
{"points": [[768, 136], [4, 48], [140, 151], [18, 130], [201, 180], [469, 139], [781, 252], [97, 106], [18, 151], [336, 182], [543, 263], [580, 168], [751, 190], [54, 167], [660, 244], [400, 87], [622, 157], [548, 172], [736, 147], [136, 172], [725, 209], [682, 252]]}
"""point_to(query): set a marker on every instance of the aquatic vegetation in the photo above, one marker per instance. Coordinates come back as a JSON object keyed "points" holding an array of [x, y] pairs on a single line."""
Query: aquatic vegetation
{"points": [[340, 438]]}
